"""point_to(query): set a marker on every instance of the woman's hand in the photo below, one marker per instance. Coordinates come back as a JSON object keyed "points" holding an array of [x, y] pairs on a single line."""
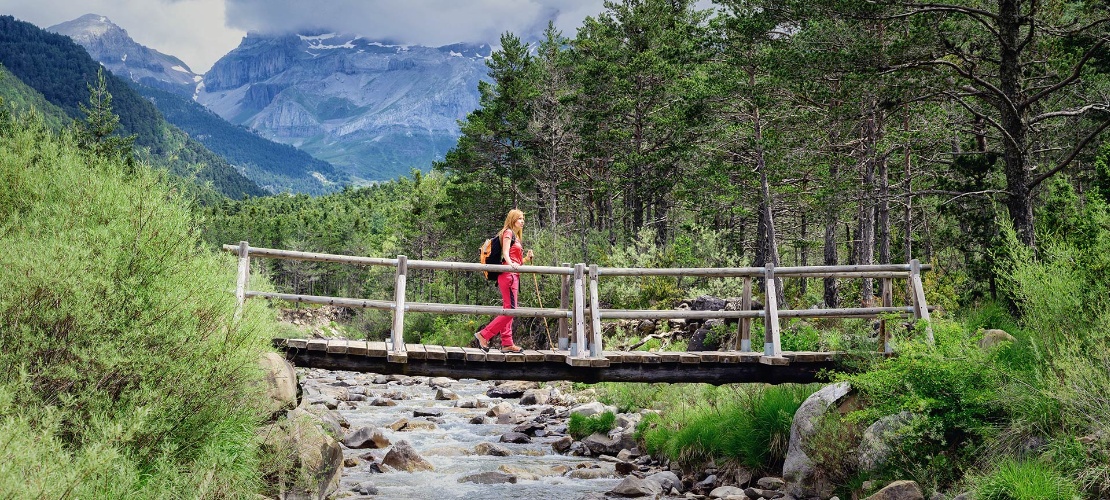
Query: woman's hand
{"points": [[528, 256]]}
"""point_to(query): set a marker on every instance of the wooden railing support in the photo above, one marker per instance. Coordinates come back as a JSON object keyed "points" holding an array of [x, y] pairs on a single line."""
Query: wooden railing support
{"points": [[243, 280], [579, 341], [397, 353], [920, 306], [888, 301], [772, 347], [745, 325], [595, 315], [564, 303]]}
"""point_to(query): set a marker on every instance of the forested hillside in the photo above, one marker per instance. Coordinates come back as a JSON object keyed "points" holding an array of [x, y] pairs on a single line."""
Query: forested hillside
{"points": [[62, 71], [274, 166]]}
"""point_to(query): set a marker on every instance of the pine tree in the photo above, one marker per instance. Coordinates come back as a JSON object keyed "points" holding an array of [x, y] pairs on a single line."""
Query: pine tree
{"points": [[96, 133]]}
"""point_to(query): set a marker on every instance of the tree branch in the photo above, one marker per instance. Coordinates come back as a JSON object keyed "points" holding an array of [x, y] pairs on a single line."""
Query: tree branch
{"points": [[1074, 76], [1074, 152]]}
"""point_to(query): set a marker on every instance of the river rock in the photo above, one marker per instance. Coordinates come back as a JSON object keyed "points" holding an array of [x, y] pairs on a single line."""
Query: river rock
{"points": [[771, 483], [380, 380], [667, 480], [499, 409], [366, 437], [491, 449], [418, 424], [439, 382], [899, 490], [562, 444], [798, 469], [332, 420], [515, 437], [403, 457], [535, 397], [591, 409], [489, 477], [636, 487], [726, 491], [602, 444], [591, 473], [706, 484], [762, 493], [446, 395], [316, 455], [280, 382], [365, 488], [520, 472], [383, 402], [427, 412], [510, 390], [478, 420]]}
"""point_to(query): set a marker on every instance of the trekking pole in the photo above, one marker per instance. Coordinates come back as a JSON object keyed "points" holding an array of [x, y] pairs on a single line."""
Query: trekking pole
{"points": [[546, 330]]}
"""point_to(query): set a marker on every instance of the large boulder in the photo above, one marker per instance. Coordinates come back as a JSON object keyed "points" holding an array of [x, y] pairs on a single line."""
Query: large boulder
{"points": [[366, 437], [636, 487], [403, 457], [280, 382], [798, 469], [489, 477], [608, 444], [880, 438], [317, 459], [666, 480], [511, 389], [899, 490]]}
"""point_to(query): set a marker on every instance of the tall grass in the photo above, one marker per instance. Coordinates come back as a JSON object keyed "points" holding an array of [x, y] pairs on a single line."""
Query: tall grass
{"points": [[748, 426], [124, 372]]}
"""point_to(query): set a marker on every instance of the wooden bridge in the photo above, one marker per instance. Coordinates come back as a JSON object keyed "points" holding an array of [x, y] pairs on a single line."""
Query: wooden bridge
{"points": [[580, 355]]}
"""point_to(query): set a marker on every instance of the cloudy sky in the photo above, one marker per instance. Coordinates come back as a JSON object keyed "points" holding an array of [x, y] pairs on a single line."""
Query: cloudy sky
{"points": [[201, 31]]}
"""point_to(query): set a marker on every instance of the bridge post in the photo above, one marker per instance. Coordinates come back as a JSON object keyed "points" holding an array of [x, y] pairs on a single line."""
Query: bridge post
{"points": [[243, 280], [920, 307], [745, 326], [888, 301], [595, 315], [772, 348], [579, 341], [564, 303], [398, 354]]}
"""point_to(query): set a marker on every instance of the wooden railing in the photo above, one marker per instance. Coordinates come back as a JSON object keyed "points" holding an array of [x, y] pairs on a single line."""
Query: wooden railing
{"points": [[574, 310]]}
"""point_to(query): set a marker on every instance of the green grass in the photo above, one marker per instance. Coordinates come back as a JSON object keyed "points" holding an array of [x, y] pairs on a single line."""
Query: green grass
{"points": [[1024, 480], [580, 426]]}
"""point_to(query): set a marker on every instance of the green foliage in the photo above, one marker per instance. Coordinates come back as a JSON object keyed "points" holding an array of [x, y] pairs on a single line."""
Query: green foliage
{"points": [[95, 133], [580, 426], [750, 426], [128, 375], [1024, 480]]}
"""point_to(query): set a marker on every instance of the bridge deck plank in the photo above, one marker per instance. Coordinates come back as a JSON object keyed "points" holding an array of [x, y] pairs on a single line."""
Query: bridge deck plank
{"points": [[669, 356], [533, 356], [515, 357], [317, 345], [614, 357], [707, 356], [356, 347], [689, 358], [435, 352], [296, 343], [554, 356], [455, 352], [416, 351], [497, 356], [337, 346], [376, 350], [649, 357], [473, 354]]}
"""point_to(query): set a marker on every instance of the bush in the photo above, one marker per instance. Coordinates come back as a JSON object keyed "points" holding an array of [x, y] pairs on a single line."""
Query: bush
{"points": [[126, 372]]}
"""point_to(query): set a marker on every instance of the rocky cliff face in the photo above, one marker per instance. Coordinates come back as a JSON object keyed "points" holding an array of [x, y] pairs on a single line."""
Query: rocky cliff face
{"points": [[374, 109], [111, 46]]}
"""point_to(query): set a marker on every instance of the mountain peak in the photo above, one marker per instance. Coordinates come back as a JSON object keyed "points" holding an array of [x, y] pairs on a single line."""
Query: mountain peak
{"points": [[113, 47]]}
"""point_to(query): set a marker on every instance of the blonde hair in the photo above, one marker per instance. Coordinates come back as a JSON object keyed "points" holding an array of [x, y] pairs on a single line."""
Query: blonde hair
{"points": [[510, 223]]}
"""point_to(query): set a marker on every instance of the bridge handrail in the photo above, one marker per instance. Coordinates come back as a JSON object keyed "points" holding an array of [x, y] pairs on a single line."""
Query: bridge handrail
{"points": [[578, 313]]}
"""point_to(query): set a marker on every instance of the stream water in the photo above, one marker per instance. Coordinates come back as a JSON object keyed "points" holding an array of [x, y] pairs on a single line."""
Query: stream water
{"points": [[449, 447]]}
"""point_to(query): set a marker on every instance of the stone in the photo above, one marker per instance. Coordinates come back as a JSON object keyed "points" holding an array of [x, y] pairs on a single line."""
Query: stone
{"points": [[726, 491], [365, 488], [511, 390], [602, 444], [427, 412], [383, 402], [446, 395], [590, 409], [624, 468], [499, 409], [880, 439], [418, 425], [636, 487], [515, 437], [403, 457], [315, 454], [994, 337], [366, 437], [491, 449], [280, 382], [489, 477], [708, 303], [761, 493], [591, 473], [771, 483], [667, 480], [520, 472], [478, 420], [398, 425], [535, 397], [899, 490], [439, 382], [798, 469], [706, 484], [562, 444]]}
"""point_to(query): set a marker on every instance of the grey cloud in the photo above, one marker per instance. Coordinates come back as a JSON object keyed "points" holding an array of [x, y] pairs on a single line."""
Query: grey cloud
{"points": [[423, 22]]}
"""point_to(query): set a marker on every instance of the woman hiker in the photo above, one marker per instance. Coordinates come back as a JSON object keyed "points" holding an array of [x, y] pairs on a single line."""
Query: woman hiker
{"points": [[512, 253]]}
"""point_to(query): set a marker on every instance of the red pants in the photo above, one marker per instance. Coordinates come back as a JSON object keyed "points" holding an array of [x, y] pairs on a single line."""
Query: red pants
{"points": [[509, 283]]}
